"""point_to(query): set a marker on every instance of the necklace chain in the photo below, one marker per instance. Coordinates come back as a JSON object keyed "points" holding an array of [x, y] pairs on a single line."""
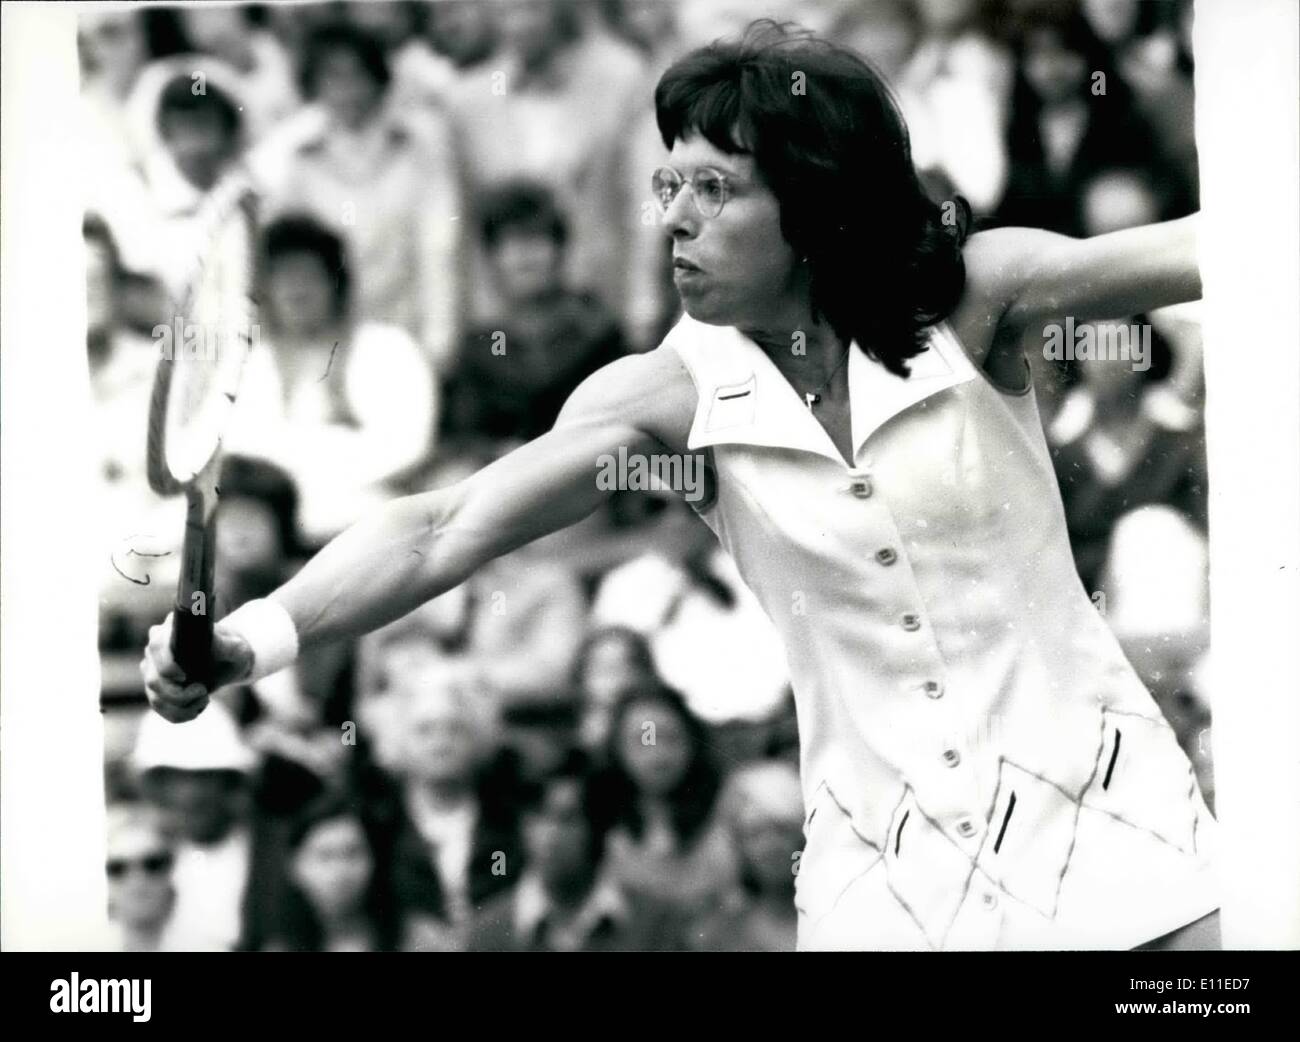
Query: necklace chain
{"points": [[814, 396]]}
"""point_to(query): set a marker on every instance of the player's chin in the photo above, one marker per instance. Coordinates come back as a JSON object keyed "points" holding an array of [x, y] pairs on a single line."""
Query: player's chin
{"points": [[706, 307]]}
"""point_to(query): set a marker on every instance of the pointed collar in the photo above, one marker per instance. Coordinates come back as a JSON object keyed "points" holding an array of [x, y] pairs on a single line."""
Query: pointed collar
{"points": [[744, 399]]}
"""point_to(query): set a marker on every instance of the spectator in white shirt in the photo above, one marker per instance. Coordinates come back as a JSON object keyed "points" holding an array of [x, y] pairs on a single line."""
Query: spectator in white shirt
{"points": [[344, 405]]}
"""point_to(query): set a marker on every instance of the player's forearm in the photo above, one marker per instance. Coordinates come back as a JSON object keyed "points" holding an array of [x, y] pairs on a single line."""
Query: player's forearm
{"points": [[378, 570]]}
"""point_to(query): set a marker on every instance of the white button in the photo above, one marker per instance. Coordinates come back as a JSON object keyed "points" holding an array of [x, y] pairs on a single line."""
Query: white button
{"points": [[910, 621], [990, 901], [861, 488], [933, 689], [966, 827], [951, 757]]}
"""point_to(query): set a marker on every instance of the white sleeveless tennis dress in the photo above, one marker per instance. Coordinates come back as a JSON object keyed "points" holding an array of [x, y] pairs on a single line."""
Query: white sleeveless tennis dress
{"points": [[981, 766]]}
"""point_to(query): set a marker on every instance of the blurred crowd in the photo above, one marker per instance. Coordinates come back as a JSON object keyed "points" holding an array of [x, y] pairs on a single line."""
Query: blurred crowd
{"points": [[591, 744]]}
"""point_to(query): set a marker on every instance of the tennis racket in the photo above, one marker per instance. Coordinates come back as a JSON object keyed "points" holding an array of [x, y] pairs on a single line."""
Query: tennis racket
{"points": [[195, 387]]}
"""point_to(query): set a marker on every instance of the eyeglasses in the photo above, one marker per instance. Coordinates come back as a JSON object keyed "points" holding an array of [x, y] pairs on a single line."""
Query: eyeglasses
{"points": [[151, 864], [709, 188]]}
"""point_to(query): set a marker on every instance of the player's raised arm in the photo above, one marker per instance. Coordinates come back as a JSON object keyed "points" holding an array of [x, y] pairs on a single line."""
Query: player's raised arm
{"points": [[1028, 275], [418, 547]]}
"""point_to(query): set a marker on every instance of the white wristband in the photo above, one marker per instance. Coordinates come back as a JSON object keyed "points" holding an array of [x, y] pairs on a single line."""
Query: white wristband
{"points": [[269, 631]]}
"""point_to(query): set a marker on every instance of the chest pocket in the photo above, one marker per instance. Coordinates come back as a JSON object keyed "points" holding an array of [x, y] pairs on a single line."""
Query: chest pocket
{"points": [[834, 855]]}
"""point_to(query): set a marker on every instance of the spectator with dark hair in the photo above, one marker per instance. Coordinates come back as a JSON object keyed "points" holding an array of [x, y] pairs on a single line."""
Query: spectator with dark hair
{"points": [[554, 106], [517, 370], [1072, 115], [385, 183], [567, 899], [336, 898], [421, 77], [257, 57], [202, 130], [344, 405], [668, 841], [611, 659], [257, 535]]}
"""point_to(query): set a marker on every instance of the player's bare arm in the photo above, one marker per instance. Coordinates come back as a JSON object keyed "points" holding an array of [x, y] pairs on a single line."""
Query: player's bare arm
{"points": [[1018, 278], [420, 546]]}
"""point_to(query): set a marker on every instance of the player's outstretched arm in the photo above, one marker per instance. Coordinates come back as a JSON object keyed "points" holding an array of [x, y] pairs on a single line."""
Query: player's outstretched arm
{"points": [[1028, 275], [416, 548]]}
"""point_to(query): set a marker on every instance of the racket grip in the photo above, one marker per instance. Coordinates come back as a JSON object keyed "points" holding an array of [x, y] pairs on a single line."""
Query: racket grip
{"points": [[192, 620]]}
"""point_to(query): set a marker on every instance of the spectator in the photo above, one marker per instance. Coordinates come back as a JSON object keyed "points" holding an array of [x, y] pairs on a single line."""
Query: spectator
{"points": [[766, 815], [882, 31], [422, 77], [228, 856], [263, 67], [517, 370], [953, 91], [542, 734], [141, 530], [1072, 115], [711, 639], [1156, 584], [554, 107], [335, 900], [567, 900], [344, 405], [453, 834], [667, 841], [611, 660], [1123, 438], [386, 184], [141, 896], [464, 32], [257, 530]]}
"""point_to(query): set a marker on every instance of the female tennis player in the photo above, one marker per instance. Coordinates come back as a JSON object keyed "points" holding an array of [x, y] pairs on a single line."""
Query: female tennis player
{"points": [[981, 766]]}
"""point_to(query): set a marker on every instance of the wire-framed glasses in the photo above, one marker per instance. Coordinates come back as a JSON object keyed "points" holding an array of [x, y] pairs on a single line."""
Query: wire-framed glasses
{"points": [[709, 188]]}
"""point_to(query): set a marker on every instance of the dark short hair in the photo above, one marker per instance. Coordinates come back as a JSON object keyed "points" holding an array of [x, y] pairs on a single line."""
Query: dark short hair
{"points": [[521, 206], [263, 481], [178, 98], [298, 233], [364, 45], [692, 800], [597, 810], [886, 259]]}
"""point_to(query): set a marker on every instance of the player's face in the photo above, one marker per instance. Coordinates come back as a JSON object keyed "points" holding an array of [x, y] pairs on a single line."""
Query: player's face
{"points": [[332, 866], [735, 269]]}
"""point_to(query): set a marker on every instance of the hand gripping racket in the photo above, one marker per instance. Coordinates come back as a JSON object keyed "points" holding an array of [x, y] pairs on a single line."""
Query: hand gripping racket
{"points": [[195, 386]]}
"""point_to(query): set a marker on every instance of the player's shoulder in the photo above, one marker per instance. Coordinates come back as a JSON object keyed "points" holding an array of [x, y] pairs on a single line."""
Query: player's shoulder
{"points": [[652, 391]]}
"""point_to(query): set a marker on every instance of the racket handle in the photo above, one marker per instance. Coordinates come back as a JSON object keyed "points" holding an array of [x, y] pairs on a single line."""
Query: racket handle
{"points": [[194, 608]]}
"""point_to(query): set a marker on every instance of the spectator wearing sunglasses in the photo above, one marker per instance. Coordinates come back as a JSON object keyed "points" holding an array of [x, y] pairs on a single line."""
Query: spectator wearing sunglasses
{"points": [[141, 895]]}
